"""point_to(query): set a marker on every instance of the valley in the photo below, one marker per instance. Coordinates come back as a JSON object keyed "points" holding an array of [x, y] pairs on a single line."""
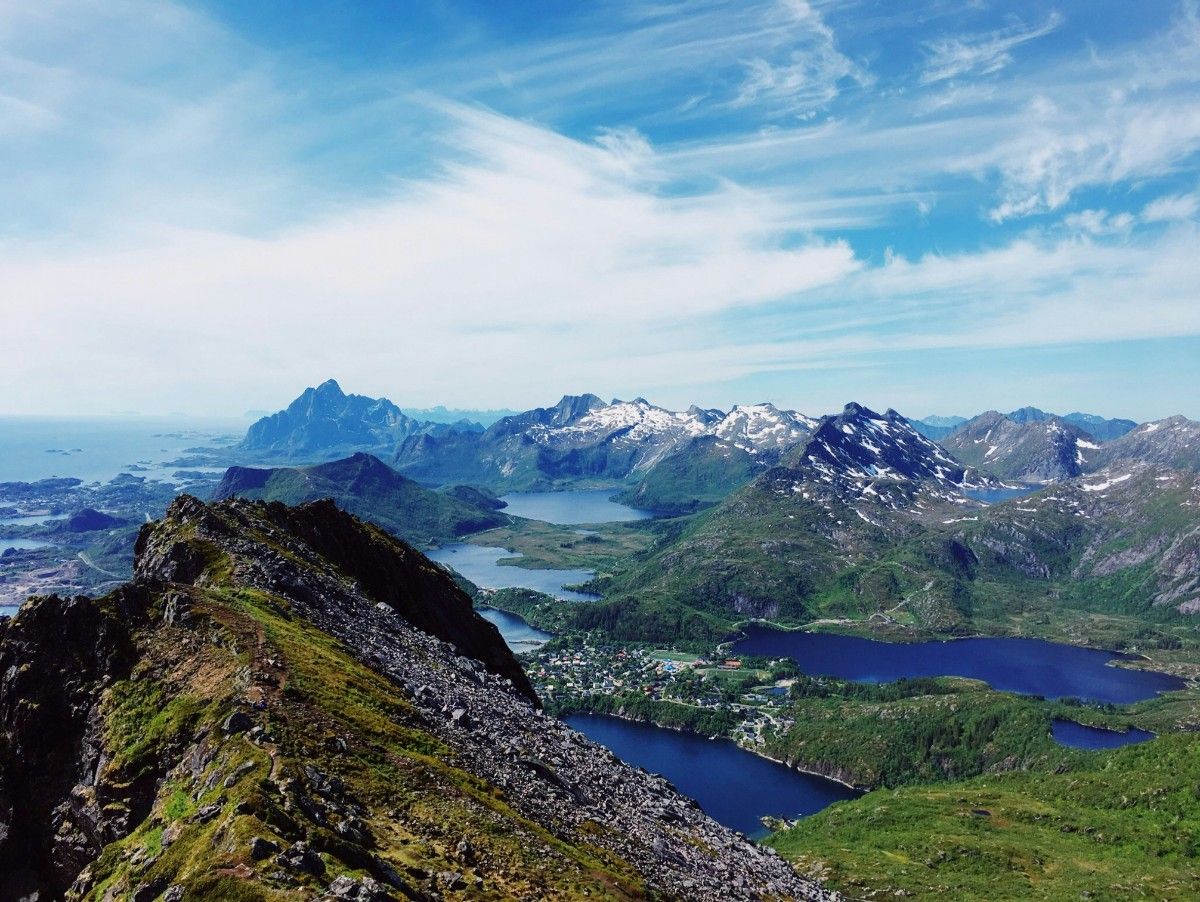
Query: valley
{"points": [[782, 583]]}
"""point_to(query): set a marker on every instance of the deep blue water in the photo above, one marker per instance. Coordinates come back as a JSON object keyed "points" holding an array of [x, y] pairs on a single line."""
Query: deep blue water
{"points": [[1027, 666], [996, 496], [478, 563], [571, 507], [98, 448], [519, 635], [733, 786], [1078, 736]]}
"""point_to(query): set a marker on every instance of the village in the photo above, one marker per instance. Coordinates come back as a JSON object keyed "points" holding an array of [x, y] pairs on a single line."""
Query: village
{"points": [[748, 696]]}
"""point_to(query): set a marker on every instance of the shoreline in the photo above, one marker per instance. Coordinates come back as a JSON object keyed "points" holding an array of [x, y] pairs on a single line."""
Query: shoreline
{"points": [[662, 726]]}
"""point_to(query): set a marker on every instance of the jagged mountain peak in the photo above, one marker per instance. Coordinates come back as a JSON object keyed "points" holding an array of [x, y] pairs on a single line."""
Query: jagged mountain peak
{"points": [[1028, 414], [859, 451], [329, 387], [572, 407], [854, 409]]}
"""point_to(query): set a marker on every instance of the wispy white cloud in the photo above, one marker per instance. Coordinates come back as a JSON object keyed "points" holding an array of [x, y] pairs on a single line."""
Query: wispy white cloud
{"points": [[980, 54], [811, 70], [285, 227], [1172, 208], [1063, 149], [529, 238]]}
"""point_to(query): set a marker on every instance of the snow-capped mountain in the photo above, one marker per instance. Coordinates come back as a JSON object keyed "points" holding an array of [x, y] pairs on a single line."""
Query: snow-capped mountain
{"points": [[1034, 450], [1173, 442], [881, 459], [582, 436], [757, 427], [860, 444], [648, 431]]}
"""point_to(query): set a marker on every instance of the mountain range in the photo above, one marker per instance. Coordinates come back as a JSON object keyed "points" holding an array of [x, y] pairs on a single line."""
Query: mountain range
{"points": [[1098, 427], [856, 514], [668, 461], [869, 518], [582, 437]]}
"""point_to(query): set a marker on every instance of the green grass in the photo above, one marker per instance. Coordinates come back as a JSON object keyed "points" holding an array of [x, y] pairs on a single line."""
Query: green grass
{"points": [[141, 718], [1116, 825], [677, 656], [547, 545]]}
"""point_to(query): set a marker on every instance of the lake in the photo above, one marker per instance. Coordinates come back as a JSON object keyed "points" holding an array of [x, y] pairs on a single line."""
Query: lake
{"points": [[1079, 736], [1025, 666], [733, 786], [480, 564], [98, 448], [517, 634], [572, 507]]}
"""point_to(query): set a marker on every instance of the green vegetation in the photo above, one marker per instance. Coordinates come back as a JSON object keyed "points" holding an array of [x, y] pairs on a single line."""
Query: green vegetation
{"points": [[909, 731], [697, 476], [1115, 825], [368, 488], [547, 545], [205, 793], [635, 706]]}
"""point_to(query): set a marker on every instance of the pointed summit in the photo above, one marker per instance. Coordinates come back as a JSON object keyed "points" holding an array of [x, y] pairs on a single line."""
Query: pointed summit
{"points": [[326, 419]]}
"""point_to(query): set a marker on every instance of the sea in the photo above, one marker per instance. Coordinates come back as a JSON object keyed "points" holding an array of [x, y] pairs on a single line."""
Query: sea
{"points": [[95, 449]]}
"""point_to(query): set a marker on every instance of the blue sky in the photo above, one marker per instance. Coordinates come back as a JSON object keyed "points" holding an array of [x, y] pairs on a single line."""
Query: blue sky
{"points": [[938, 207]]}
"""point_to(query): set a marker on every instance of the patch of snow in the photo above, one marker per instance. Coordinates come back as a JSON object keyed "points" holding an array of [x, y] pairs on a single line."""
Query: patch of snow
{"points": [[1101, 486]]}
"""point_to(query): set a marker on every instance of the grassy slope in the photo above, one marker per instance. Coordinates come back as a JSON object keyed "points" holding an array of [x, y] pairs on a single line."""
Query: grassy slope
{"points": [[320, 692], [1118, 825], [1012, 571], [547, 545], [366, 487]]}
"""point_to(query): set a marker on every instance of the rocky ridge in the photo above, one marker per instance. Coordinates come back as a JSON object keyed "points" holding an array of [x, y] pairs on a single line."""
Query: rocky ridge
{"points": [[287, 703]]}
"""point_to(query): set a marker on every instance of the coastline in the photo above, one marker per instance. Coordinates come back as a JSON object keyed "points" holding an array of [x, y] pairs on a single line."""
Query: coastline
{"points": [[811, 771]]}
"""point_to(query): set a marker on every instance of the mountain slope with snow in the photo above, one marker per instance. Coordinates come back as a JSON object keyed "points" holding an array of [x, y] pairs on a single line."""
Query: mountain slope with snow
{"points": [[1032, 450], [584, 438]]}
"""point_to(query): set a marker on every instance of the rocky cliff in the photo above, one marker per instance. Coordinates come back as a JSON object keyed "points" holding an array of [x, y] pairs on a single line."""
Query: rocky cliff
{"points": [[287, 703]]}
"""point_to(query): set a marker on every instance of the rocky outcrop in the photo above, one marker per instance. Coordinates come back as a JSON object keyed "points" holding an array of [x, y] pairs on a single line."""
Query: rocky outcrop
{"points": [[326, 558], [287, 702], [56, 813], [89, 520]]}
